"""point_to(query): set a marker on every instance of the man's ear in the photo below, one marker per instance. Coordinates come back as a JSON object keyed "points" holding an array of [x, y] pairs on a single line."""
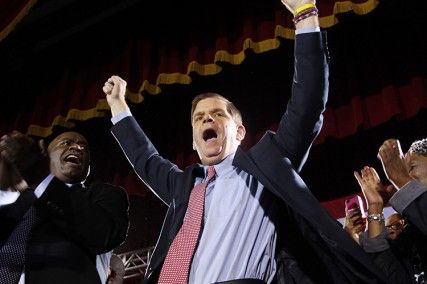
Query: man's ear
{"points": [[43, 147], [194, 146], [241, 132]]}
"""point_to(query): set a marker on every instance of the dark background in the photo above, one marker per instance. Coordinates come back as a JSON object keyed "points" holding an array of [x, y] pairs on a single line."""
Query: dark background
{"points": [[385, 48]]}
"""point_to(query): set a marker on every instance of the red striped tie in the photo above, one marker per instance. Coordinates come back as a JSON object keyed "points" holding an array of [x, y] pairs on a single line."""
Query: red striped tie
{"points": [[177, 263]]}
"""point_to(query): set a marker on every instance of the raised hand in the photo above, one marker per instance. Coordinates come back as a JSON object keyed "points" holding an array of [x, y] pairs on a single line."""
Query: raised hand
{"points": [[115, 90], [371, 186], [393, 162], [22, 160], [10, 178]]}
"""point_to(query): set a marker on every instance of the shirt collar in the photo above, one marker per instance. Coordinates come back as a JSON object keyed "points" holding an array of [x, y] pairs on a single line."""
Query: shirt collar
{"points": [[40, 189], [69, 185], [222, 167]]}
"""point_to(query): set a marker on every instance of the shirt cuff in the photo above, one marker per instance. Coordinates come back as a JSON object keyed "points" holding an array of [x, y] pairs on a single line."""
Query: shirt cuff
{"points": [[120, 116], [8, 197], [307, 30], [377, 244], [406, 195]]}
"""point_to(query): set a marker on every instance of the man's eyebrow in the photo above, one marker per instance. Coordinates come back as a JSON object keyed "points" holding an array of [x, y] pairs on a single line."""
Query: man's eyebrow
{"points": [[198, 113], [217, 109], [212, 110]]}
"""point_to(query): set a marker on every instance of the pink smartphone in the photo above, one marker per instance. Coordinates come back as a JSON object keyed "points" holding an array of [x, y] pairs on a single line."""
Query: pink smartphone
{"points": [[353, 203]]}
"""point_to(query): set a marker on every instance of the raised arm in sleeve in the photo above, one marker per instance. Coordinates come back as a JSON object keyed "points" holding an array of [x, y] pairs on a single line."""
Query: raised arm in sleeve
{"points": [[411, 202], [303, 118], [159, 174]]}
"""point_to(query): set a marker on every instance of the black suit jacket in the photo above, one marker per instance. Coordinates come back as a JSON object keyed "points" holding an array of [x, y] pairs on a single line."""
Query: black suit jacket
{"points": [[73, 226], [416, 213], [11, 215], [407, 254], [313, 248]]}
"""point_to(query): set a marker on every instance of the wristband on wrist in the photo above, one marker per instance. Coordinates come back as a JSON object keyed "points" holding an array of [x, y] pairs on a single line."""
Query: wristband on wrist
{"points": [[305, 14], [304, 7], [376, 217]]}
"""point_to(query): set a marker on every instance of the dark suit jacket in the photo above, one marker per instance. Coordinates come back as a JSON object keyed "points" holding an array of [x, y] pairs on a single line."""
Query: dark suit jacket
{"points": [[410, 250], [416, 213], [312, 246], [73, 226], [407, 255], [11, 215]]}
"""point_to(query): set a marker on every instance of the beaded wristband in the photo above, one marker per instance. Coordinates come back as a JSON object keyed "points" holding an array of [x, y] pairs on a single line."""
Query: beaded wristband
{"points": [[305, 14]]}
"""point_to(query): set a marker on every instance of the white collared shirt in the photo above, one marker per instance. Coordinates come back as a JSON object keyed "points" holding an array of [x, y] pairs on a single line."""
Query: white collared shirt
{"points": [[8, 197]]}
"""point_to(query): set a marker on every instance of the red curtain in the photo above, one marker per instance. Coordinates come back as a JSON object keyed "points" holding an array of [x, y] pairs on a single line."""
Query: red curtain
{"points": [[401, 101], [150, 62], [11, 12], [153, 63]]}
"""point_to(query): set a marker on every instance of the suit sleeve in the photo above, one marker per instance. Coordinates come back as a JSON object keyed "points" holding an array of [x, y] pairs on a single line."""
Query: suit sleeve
{"points": [[379, 250], [411, 202], [303, 118], [159, 174], [96, 218], [11, 215]]}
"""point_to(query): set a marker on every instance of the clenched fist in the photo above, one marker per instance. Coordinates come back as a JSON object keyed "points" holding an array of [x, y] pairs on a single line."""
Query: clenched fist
{"points": [[115, 90]]}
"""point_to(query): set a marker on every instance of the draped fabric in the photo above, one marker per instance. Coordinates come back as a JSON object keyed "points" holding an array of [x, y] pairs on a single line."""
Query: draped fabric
{"points": [[150, 61], [11, 12], [54, 67], [401, 101], [56, 55]]}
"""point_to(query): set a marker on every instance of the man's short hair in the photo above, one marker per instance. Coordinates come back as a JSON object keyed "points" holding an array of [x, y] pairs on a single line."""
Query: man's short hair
{"points": [[419, 147], [231, 108]]}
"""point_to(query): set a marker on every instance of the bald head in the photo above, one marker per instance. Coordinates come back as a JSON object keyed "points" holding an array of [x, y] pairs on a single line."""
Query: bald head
{"points": [[69, 157]]}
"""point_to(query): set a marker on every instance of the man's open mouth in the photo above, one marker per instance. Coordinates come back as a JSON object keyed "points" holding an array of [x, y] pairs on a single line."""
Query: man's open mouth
{"points": [[209, 134], [72, 158]]}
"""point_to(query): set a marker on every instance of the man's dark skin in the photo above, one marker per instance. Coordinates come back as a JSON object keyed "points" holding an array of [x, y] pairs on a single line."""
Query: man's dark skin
{"points": [[76, 224], [67, 157]]}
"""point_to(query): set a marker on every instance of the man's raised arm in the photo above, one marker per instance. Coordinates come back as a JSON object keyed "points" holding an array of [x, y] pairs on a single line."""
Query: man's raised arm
{"points": [[303, 119], [156, 172]]}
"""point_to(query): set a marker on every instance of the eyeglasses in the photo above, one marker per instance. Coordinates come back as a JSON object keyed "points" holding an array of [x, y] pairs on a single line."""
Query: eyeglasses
{"points": [[397, 225]]}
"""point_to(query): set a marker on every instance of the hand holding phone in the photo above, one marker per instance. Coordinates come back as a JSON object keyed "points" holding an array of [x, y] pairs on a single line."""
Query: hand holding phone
{"points": [[355, 203]]}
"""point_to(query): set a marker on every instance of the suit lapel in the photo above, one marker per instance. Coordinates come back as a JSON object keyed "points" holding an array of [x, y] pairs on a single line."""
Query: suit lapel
{"points": [[285, 183]]}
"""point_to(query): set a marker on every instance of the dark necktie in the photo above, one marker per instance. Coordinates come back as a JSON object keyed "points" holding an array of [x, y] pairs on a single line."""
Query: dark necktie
{"points": [[177, 263], [12, 253]]}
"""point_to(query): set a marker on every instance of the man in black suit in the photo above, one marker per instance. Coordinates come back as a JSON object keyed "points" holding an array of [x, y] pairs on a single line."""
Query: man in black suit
{"points": [[408, 175], [260, 223], [74, 224]]}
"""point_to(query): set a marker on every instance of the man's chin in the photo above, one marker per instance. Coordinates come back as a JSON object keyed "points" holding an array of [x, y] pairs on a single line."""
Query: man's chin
{"points": [[212, 159], [73, 177]]}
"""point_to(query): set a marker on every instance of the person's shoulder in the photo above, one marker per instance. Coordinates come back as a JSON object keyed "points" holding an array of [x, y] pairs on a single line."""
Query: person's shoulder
{"points": [[105, 188], [27, 196]]}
